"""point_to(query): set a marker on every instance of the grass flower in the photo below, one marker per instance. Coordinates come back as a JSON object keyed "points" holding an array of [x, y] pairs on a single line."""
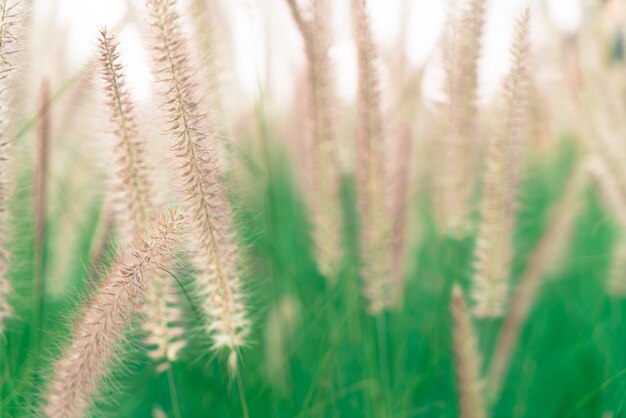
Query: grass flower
{"points": [[459, 145], [494, 248], [162, 315], [218, 283], [324, 196], [103, 322], [373, 204], [133, 179]]}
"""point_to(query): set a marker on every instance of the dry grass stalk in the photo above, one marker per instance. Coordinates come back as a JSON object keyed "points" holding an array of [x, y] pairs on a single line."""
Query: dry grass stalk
{"points": [[218, 284], [615, 201], [467, 360], [104, 320], [162, 315], [9, 20], [42, 144], [545, 257], [324, 196], [372, 199], [461, 47], [400, 188], [494, 248]]}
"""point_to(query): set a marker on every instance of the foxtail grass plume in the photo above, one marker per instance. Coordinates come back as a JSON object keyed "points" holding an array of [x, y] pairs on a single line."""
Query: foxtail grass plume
{"points": [[325, 181], [543, 259], [459, 145], [494, 248], [10, 17], [162, 315], [133, 180], [103, 322], [163, 321], [372, 200], [218, 283], [467, 360]]}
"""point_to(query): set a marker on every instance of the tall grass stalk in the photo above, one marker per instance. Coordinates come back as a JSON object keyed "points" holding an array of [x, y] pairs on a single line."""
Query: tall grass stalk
{"points": [[196, 149], [459, 146], [324, 197], [97, 334], [135, 198], [373, 205], [494, 247]]}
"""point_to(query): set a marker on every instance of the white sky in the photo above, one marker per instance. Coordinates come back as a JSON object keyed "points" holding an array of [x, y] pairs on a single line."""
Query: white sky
{"points": [[81, 20]]}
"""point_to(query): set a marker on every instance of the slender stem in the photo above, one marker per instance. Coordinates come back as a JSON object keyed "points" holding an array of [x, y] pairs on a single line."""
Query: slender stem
{"points": [[383, 362], [242, 396], [193, 306], [23, 382], [173, 393], [41, 172], [6, 378]]}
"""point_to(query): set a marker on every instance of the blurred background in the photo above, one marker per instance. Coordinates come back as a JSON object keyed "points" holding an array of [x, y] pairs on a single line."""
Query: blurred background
{"points": [[300, 363], [265, 49]]}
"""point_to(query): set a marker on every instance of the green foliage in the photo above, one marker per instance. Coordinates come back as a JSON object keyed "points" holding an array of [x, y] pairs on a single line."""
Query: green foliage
{"points": [[333, 358]]}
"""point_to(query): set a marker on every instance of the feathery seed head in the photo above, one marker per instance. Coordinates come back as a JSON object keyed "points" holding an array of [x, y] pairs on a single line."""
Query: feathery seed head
{"points": [[325, 177], [133, 181], [494, 247], [102, 324], [457, 154], [218, 284], [162, 319], [373, 202]]}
